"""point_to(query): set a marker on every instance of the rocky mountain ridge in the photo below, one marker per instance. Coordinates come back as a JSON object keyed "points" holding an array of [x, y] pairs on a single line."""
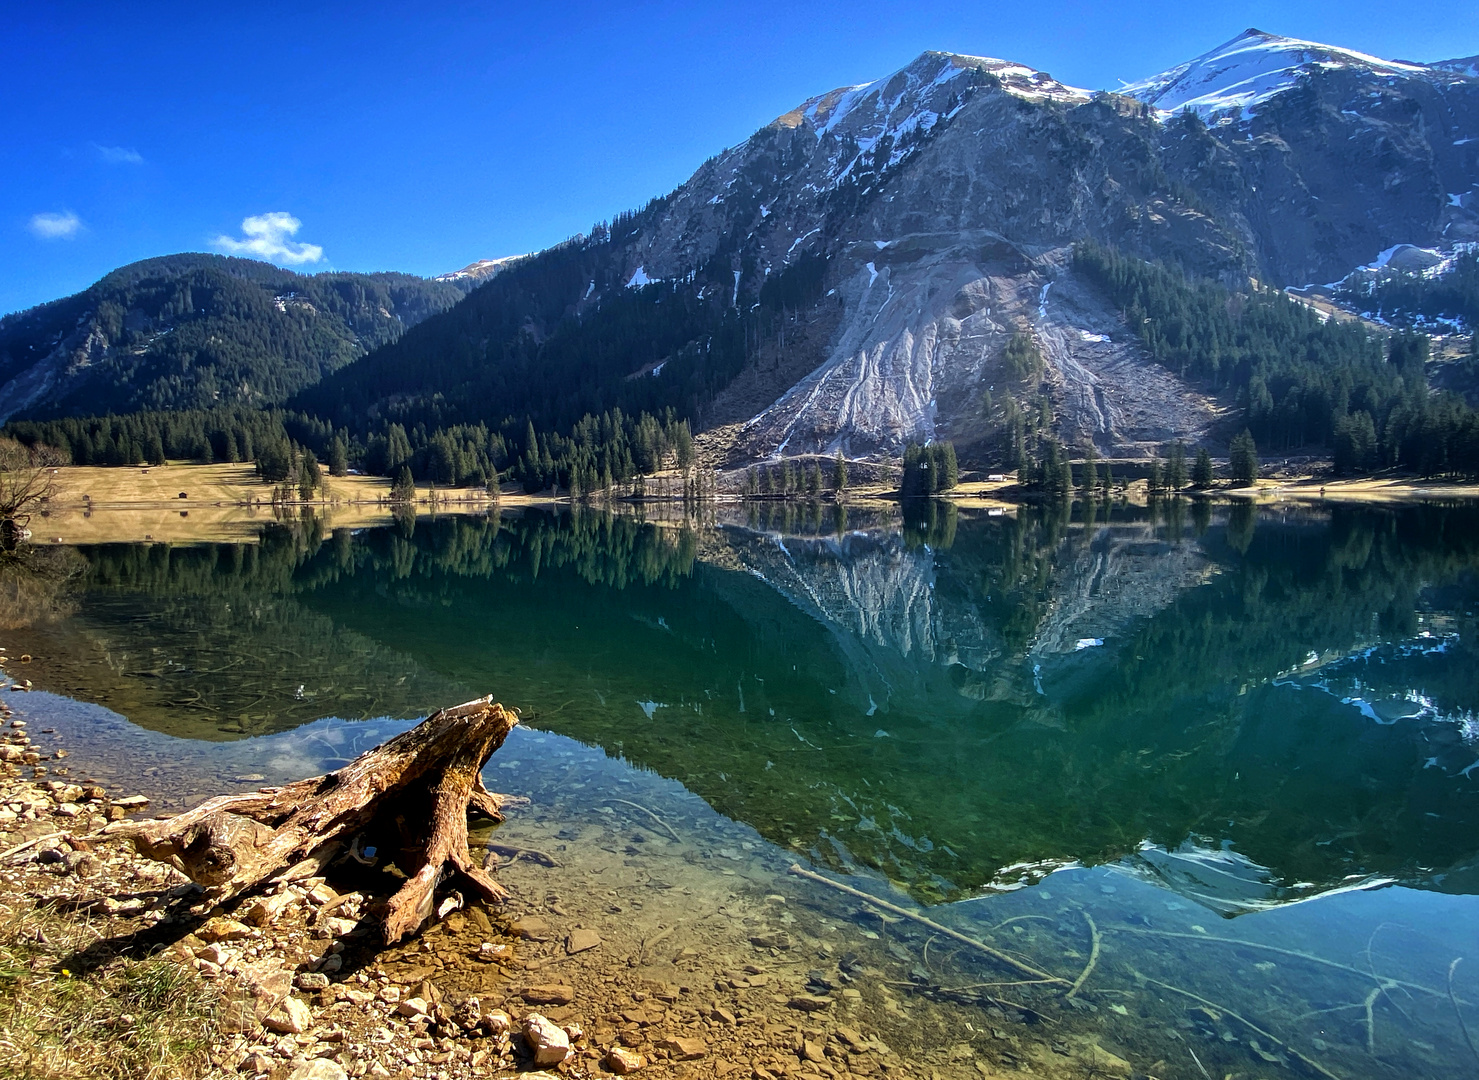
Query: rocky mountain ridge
{"points": [[945, 198], [866, 258]]}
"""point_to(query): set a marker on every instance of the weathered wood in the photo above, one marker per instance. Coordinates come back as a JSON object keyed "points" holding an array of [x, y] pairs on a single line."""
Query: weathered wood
{"points": [[409, 798]]}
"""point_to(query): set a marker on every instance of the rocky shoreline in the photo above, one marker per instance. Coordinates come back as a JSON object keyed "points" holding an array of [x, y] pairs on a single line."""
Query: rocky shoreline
{"points": [[302, 991], [596, 967]]}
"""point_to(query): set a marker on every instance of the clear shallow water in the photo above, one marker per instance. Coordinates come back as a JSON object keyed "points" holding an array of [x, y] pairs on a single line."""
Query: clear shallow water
{"points": [[1206, 717]]}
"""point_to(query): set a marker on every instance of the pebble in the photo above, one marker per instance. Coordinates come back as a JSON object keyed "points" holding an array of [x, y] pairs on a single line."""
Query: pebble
{"points": [[775, 939], [622, 1061], [549, 994], [289, 1018], [319, 1069], [214, 954], [579, 940], [220, 928], [533, 927], [547, 1041], [684, 1048], [264, 911], [809, 1003], [495, 953]]}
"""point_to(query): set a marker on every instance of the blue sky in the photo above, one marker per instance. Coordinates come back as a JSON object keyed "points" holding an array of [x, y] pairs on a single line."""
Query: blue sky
{"points": [[422, 137]]}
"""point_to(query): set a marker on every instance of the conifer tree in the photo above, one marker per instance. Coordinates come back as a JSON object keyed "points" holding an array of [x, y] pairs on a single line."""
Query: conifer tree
{"points": [[308, 475], [338, 458], [1201, 472], [404, 488], [1243, 459], [949, 467], [1176, 467]]}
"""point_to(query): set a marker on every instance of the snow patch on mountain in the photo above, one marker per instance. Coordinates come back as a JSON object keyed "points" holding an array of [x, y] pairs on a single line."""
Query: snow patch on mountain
{"points": [[903, 107], [1251, 69], [1408, 258], [481, 270], [1467, 65], [881, 99]]}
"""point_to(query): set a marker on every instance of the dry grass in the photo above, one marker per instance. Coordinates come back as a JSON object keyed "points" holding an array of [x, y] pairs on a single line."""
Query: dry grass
{"points": [[232, 485], [98, 504], [123, 1019]]}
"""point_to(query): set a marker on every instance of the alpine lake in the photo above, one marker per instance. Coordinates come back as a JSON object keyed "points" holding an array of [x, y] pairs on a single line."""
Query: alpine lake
{"points": [[1212, 769]]}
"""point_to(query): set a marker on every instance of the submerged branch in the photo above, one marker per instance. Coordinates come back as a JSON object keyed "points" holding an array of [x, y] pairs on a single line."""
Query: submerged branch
{"points": [[939, 928]]}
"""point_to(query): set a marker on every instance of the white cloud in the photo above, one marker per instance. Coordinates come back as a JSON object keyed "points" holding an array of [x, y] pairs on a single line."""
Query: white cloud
{"points": [[63, 226], [269, 237], [118, 155]]}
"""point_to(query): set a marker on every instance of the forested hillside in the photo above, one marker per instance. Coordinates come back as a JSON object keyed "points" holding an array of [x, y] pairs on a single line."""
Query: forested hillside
{"points": [[196, 331], [558, 338], [1301, 381]]}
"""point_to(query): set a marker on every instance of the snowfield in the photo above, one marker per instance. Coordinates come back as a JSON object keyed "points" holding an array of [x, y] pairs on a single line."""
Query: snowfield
{"points": [[1251, 69]]}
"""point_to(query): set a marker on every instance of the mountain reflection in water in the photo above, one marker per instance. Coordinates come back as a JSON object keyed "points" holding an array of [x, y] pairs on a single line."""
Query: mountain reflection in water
{"points": [[1250, 707]]}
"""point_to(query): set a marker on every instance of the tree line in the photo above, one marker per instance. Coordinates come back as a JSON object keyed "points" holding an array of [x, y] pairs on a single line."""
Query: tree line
{"points": [[1050, 469], [797, 477], [1301, 381], [597, 454], [929, 469]]}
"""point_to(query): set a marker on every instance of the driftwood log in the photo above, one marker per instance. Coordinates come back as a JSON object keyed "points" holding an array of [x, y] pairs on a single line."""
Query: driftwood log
{"points": [[407, 798]]}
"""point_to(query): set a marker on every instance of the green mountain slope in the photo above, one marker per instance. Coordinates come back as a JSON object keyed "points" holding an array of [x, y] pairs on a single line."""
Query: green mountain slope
{"points": [[197, 331]]}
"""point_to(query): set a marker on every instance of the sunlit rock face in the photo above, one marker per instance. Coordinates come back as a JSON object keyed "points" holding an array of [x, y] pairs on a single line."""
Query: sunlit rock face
{"points": [[945, 198]]}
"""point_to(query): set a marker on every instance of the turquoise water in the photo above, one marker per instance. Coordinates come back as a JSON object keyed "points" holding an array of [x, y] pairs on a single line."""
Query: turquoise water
{"points": [[1239, 744]]}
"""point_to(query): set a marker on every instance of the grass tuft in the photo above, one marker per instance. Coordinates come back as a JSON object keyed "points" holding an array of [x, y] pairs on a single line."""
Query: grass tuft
{"points": [[123, 1019]]}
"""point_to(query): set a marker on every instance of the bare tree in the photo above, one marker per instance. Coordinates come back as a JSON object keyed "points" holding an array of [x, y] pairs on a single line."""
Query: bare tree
{"points": [[26, 481]]}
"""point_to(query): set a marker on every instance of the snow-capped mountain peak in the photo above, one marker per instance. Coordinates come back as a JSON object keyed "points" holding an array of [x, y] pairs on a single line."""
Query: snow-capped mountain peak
{"points": [[907, 98], [907, 105], [1249, 70]]}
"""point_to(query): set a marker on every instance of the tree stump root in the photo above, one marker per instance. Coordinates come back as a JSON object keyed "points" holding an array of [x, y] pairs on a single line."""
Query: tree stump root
{"points": [[408, 798]]}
